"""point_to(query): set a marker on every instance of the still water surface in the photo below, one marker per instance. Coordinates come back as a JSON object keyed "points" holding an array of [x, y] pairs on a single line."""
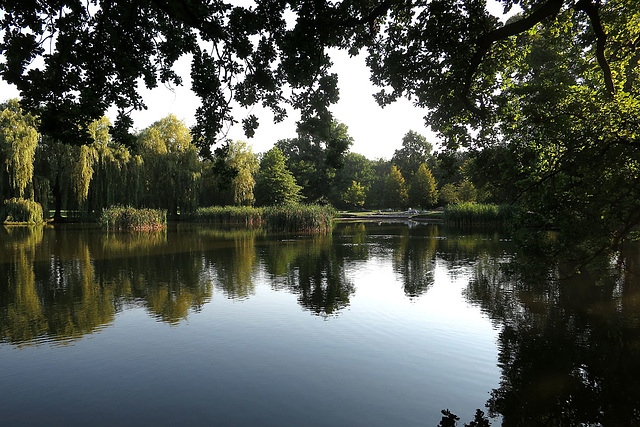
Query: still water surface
{"points": [[374, 325]]}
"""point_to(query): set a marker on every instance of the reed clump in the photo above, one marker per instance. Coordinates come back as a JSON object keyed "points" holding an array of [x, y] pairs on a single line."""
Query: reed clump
{"points": [[299, 218], [17, 210], [129, 218], [231, 215], [479, 214]]}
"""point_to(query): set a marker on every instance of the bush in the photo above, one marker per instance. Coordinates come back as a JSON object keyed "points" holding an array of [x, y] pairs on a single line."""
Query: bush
{"points": [[296, 217], [128, 218], [21, 210], [469, 214]]}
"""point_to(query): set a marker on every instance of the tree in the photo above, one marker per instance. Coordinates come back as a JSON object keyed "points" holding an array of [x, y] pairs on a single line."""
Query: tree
{"points": [[315, 159], [355, 195], [18, 141], [414, 152], [423, 192], [242, 159], [356, 168], [396, 189], [558, 82], [275, 185], [449, 194], [467, 192], [171, 167]]}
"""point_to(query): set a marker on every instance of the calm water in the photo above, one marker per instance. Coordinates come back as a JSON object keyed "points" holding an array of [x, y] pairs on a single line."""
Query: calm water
{"points": [[375, 325]]}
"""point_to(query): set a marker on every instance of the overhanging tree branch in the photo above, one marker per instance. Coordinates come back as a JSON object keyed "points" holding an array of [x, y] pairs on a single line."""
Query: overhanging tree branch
{"points": [[485, 41], [591, 10]]}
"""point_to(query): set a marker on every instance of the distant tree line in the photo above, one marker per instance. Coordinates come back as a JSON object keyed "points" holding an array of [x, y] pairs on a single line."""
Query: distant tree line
{"points": [[162, 169]]}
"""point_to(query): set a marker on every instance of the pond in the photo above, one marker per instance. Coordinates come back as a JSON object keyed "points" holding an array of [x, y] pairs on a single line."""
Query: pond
{"points": [[373, 325]]}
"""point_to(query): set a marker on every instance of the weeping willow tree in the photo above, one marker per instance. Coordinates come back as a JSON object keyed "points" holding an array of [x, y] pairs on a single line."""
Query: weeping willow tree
{"points": [[242, 159], [54, 162], [18, 142], [171, 166], [104, 173], [230, 178]]}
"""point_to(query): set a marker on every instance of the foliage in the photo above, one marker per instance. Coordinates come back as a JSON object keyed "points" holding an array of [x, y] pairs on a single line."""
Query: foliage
{"points": [[423, 192], [556, 86], [449, 194], [470, 214], [355, 195], [463, 192], [96, 59], [275, 185], [356, 167], [299, 218], [396, 189], [18, 141], [171, 168], [414, 152], [467, 192], [21, 210], [129, 218], [242, 159], [315, 159]]}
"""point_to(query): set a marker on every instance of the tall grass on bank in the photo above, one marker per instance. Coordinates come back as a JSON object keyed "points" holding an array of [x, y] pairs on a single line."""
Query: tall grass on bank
{"points": [[232, 215], [21, 211], [478, 214], [128, 218], [301, 218]]}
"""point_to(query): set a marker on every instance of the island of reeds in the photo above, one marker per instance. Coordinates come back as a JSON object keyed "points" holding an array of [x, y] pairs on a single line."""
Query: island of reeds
{"points": [[282, 218], [479, 214], [129, 218]]}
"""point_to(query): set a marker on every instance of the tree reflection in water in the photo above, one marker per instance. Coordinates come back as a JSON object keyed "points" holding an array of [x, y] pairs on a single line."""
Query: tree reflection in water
{"points": [[312, 269], [570, 342], [569, 346]]}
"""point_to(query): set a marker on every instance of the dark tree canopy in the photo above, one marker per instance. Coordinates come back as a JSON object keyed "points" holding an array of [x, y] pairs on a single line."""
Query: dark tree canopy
{"points": [[71, 60]]}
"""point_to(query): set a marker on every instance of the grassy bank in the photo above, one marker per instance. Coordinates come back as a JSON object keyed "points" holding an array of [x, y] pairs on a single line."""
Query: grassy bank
{"points": [[128, 218], [478, 214]]}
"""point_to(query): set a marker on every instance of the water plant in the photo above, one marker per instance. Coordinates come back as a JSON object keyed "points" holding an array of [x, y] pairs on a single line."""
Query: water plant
{"points": [[297, 217], [232, 215], [479, 214], [129, 218]]}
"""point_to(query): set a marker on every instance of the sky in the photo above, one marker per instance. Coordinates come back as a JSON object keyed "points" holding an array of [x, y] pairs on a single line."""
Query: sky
{"points": [[377, 132]]}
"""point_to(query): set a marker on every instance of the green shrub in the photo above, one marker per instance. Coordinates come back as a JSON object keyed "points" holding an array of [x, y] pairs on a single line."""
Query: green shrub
{"points": [[479, 214], [296, 217], [128, 218], [21, 210]]}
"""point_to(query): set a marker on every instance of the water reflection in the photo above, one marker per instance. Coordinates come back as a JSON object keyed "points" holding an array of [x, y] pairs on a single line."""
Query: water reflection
{"points": [[314, 270], [570, 342], [235, 267]]}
